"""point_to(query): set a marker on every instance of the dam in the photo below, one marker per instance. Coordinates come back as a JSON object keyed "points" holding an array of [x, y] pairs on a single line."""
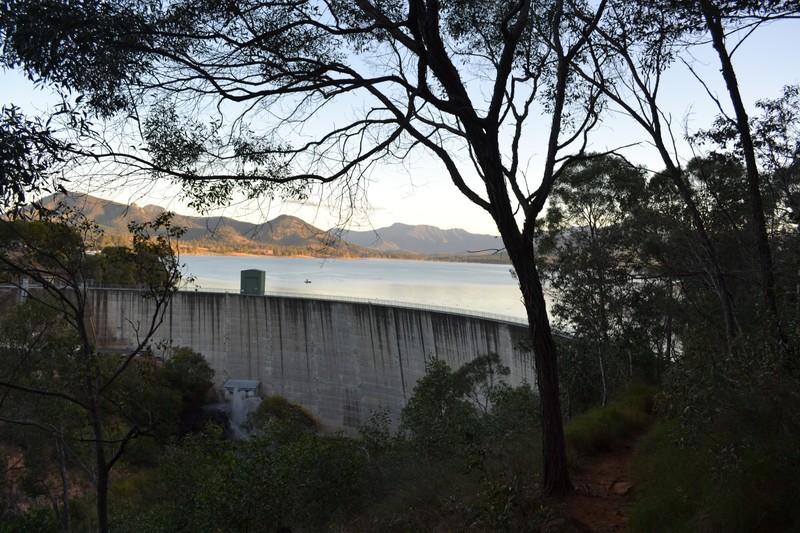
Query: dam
{"points": [[339, 359]]}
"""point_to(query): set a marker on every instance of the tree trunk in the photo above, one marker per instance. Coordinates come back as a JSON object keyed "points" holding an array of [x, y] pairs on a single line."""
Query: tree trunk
{"points": [[712, 16], [101, 474], [102, 501], [667, 355], [602, 318], [66, 519], [715, 274], [604, 394], [556, 474]]}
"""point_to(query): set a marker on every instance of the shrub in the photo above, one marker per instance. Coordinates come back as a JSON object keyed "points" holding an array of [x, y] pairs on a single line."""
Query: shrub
{"points": [[208, 484], [281, 419], [606, 428], [464, 458], [668, 488], [188, 372], [713, 487], [438, 420]]}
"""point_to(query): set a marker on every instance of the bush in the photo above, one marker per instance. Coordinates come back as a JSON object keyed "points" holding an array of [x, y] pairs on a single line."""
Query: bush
{"points": [[278, 408], [667, 491], [465, 456], [188, 372], [281, 420], [438, 420], [256, 485], [454, 467], [733, 419], [713, 487], [36, 520], [606, 428]]}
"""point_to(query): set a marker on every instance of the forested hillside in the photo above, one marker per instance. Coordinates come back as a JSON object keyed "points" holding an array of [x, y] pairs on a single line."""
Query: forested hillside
{"points": [[286, 235]]}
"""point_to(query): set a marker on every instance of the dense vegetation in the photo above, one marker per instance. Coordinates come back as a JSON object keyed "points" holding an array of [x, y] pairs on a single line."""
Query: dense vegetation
{"points": [[69, 412], [684, 275], [635, 289], [440, 468], [460, 459], [464, 454]]}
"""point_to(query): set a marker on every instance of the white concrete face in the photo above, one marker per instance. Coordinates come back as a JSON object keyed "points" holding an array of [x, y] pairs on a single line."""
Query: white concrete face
{"points": [[340, 360]]}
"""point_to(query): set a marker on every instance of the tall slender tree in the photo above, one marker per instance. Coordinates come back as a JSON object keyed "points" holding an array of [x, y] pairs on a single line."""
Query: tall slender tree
{"points": [[461, 81], [633, 48], [44, 255], [592, 264], [714, 16]]}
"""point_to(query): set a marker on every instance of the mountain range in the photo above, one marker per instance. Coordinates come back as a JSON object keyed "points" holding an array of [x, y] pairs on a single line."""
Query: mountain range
{"points": [[288, 235]]}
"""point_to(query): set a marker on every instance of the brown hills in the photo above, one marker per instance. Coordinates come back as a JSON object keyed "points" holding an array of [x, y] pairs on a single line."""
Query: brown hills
{"points": [[288, 235]]}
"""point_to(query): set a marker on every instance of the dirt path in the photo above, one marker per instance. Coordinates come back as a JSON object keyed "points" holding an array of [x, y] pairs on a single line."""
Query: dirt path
{"points": [[602, 492]]}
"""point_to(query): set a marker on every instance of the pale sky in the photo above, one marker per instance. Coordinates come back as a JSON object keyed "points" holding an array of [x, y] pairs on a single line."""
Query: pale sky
{"points": [[419, 192]]}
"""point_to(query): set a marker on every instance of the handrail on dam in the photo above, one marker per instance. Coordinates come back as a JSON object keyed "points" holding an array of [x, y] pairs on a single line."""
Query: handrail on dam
{"points": [[374, 301], [517, 321], [350, 299]]}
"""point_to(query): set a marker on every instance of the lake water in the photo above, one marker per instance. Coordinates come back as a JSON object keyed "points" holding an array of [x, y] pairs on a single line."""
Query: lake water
{"points": [[481, 288]]}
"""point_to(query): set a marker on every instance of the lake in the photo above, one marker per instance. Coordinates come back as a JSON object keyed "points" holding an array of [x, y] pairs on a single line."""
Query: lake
{"points": [[481, 288]]}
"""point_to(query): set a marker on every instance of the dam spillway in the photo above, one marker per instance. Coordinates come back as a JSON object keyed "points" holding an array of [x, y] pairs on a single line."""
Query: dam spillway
{"points": [[339, 359]]}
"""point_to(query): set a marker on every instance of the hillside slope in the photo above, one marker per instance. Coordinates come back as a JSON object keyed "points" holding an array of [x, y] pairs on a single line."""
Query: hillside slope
{"points": [[428, 240], [287, 235]]}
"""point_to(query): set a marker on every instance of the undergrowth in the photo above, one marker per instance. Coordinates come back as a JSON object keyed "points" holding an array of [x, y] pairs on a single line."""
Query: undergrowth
{"points": [[606, 428], [712, 487]]}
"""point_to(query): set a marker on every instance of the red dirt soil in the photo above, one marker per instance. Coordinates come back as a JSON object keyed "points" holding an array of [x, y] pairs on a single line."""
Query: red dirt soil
{"points": [[603, 492]]}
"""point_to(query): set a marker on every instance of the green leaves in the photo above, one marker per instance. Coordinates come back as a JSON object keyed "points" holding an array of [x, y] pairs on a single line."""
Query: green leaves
{"points": [[29, 154], [57, 384], [597, 268], [210, 484], [215, 167], [90, 47], [438, 419], [156, 264], [188, 372], [173, 143]]}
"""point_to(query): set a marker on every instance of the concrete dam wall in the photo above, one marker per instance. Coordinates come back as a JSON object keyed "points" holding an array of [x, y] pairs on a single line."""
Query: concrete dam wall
{"points": [[340, 360]]}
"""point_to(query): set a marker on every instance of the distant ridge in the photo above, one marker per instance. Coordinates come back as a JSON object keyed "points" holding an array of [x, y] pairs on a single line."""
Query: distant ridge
{"points": [[428, 240], [288, 235]]}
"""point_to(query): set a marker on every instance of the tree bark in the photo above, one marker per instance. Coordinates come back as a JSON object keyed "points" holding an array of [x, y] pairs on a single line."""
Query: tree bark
{"points": [[713, 19], [66, 519], [646, 112], [715, 274], [101, 474], [556, 474]]}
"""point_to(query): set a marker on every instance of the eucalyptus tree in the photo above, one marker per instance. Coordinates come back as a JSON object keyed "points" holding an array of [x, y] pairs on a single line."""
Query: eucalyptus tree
{"points": [[776, 131], [53, 378], [632, 50], [592, 243], [669, 242], [30, 157], [630, 53], [775, 140], [720, 18], [265, 98]]}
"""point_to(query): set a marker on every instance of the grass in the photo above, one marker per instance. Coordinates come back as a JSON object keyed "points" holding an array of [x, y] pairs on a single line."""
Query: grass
{"points": [[668, 490], [711, 487], [606, 428]]}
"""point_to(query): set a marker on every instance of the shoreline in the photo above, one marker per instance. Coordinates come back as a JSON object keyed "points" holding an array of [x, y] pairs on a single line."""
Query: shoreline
{"points": [[430, 259]]}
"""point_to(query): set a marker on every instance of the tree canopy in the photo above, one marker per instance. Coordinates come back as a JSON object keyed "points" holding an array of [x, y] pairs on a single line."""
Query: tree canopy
{"points": [[53, 379], [266, 98]]}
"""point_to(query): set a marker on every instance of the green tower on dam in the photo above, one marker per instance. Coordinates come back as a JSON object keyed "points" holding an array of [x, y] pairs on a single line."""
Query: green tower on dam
{"points": [[253, 282]]}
